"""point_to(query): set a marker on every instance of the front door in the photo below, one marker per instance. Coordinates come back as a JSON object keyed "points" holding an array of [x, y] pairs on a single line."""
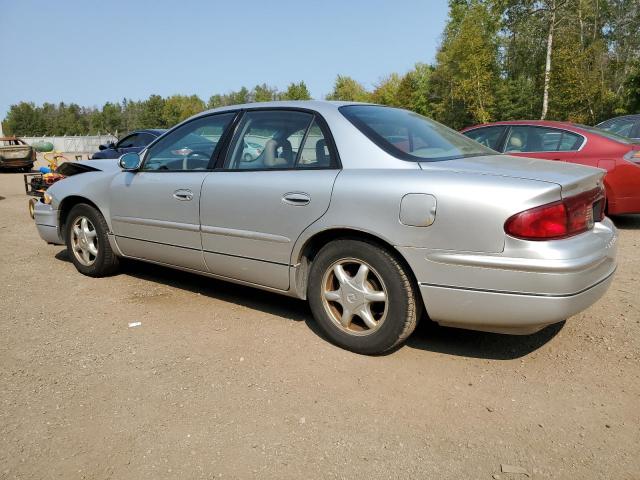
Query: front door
{"points": [[155, 212], [254, 208]]}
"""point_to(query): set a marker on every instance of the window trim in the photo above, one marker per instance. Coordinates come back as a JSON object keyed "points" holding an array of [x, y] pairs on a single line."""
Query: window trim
{"points": [[220, 145], [336, 163]]}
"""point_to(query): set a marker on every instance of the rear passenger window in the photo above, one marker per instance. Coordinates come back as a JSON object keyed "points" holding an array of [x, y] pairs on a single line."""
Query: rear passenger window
{"points": [[541, 139], [315, 151], [278, 139], [569, 141], [276, 136]]}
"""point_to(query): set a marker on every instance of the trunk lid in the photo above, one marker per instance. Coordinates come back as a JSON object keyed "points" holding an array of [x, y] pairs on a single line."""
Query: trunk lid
{"points": [[571, 178]]}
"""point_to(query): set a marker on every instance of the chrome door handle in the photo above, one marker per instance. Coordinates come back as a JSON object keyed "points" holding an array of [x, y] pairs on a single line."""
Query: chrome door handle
{"points": [[296, 198], [183, 195]]}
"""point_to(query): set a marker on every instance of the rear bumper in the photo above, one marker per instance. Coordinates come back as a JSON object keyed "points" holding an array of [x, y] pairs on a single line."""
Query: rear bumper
{"points": [[506, 312], [521, 290], [47, 223]]}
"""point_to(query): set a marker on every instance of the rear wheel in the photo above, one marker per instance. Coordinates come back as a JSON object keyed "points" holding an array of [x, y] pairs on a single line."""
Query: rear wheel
{"points": [[87, 242], [362, 297]]}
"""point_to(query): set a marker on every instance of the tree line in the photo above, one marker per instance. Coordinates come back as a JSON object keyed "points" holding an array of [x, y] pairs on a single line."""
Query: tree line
{"points": [[576, 60]]}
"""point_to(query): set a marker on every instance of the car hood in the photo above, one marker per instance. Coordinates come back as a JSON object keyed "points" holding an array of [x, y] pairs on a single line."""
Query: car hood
{"points": [[571, 177], [105, 164]]}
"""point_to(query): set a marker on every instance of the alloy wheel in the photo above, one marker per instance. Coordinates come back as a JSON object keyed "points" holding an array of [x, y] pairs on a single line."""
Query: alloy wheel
{"points": [[84, 241], [354, 296]]}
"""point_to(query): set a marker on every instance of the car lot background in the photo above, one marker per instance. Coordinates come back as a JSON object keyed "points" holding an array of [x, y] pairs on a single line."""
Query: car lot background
{"points": [[222, 381]]}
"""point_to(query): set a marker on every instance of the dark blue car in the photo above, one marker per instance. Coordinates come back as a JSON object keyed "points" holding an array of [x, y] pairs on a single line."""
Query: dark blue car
{"points": [[134, 142]]}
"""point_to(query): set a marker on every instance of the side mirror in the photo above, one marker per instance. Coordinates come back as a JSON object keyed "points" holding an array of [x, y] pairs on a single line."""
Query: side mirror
{"points": [[129, 162], [102, 147]]}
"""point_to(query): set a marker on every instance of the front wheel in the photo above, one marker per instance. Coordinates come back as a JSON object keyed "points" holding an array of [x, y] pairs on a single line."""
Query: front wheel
{"points": [[362, 297], [87, 242]]}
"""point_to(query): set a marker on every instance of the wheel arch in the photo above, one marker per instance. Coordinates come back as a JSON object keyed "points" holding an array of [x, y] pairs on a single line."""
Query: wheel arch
{"points": [[312, 245], [65, 207]]}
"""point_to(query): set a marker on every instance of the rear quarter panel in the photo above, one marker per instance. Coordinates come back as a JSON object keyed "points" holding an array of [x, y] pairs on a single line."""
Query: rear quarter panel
{"points": [[470, 211]]}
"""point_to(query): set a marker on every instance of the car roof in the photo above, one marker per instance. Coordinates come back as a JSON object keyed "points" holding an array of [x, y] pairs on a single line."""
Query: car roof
{"points": [[535, 123], [154, 131], [320, 106]]}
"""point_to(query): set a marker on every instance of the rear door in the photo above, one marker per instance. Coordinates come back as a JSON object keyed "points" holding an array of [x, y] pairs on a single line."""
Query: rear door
{"points": [[543, 142], [252, 210]]}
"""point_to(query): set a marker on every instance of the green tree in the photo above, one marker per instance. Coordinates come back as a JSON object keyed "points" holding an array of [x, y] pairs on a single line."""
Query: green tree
{"points": [[348, 89], [24, 119], [632, 90], [296, 91], [415, 88], [239, 97], [386, 91], [111, 118], [264, 93], [152, 112], [466, 73], [180, 107]]}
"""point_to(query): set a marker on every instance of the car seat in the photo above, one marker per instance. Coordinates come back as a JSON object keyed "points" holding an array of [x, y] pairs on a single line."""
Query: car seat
{"points": [[515, 143], [271, 159], [322, 159]]}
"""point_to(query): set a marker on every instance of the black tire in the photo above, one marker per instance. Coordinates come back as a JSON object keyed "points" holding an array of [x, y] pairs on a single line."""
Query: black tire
{"points": [[402, 306], [32, 206], [106, 262]]}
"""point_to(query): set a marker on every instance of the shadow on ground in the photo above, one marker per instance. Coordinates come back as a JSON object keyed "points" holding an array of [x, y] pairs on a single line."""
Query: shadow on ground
{"points": [[467, 343], [627, 222], [428, 336]]}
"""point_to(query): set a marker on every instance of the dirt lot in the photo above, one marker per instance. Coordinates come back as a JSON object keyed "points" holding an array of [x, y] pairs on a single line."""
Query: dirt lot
{"points": [[222, 381]]}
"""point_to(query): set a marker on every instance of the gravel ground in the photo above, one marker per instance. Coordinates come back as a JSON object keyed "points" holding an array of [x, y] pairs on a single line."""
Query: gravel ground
{"points": [[222, 381]]}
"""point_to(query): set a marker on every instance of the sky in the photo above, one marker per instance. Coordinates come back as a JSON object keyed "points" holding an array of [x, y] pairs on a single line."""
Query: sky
{"points": [[90, 52]]}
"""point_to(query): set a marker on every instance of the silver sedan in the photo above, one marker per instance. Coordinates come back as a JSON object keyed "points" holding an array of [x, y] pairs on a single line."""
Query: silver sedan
{"points": [[377, 216]]}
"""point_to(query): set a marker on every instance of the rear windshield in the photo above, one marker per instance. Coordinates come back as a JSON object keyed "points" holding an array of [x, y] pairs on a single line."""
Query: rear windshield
{"points": [[606, 134], [410, 136]]}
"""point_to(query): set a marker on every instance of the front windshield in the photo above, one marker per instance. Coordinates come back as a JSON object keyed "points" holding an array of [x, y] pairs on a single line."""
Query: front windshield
{"points": [[607, 134], [410, 136]]}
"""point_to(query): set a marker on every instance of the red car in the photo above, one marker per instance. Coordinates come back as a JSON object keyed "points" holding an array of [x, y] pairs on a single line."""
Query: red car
{"points": [[571, 142]]}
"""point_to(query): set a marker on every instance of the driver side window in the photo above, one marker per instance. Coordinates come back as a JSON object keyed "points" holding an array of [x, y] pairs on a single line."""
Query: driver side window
{"points": [[189, 147]]}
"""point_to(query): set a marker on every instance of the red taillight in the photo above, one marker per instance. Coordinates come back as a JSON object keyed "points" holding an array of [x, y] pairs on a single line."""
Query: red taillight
{"points": [[561, 219]]}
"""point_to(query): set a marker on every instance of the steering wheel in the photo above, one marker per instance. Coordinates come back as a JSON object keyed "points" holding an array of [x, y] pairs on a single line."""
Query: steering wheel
{"points": [[193, 156]]}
